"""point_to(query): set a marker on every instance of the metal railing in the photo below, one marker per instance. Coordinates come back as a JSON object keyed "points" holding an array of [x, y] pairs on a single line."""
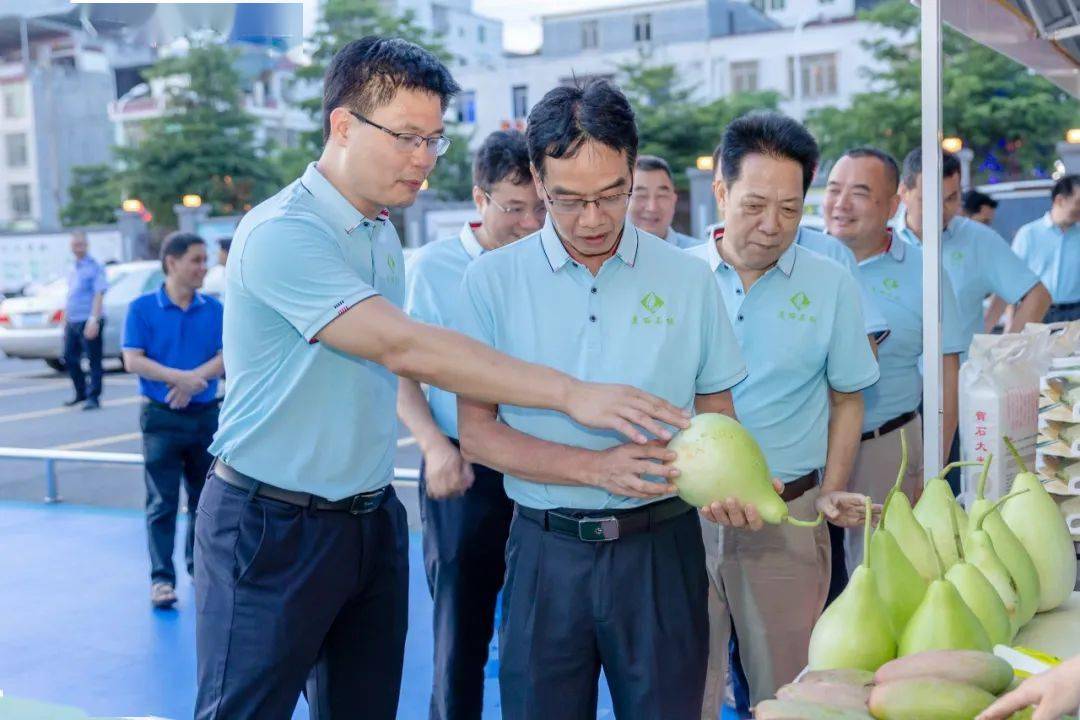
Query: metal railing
{"points": [[403, 477]]}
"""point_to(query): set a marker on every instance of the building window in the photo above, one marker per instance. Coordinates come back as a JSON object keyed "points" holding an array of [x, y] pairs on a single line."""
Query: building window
{"points": [[590, 35], [481, 34], [778, 4], [758, 5], [519, 100], [744, 76], [819, 76], [642, 28], [20, 200], [466, 107], [15, 145], [14, 101], [440, 20]]}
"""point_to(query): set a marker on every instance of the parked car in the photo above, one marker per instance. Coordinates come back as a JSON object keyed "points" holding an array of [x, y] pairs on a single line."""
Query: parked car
{"points": [[1018, 203], [32, 327]]}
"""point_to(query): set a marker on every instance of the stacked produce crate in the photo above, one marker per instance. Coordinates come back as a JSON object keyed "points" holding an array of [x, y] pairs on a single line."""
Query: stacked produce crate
{"points": [[1058, 448]]}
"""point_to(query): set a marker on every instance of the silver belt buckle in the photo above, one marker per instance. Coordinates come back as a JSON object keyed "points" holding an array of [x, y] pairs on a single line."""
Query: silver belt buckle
{"points": [[598, 529]]}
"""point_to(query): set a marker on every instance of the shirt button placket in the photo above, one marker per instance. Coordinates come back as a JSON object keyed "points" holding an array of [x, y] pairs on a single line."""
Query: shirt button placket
{"points": [[592, 330]]}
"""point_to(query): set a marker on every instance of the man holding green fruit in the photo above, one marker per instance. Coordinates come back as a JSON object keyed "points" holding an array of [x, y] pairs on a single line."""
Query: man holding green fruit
{"points": [[799, 323], [860, 197]]}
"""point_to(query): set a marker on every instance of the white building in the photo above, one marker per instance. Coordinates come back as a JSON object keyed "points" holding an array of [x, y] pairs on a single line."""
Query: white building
{"points": [[719, 47]]}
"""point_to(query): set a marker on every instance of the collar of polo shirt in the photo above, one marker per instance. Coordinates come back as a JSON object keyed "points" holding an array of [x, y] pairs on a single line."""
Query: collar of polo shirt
{"points": [[343, 213], [164, 301], [557, 256], [468, 240], [786, 261]]}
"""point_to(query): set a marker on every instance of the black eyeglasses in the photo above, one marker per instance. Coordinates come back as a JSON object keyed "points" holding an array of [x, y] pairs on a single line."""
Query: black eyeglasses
{"points": [[409, 142], [606, 204]]}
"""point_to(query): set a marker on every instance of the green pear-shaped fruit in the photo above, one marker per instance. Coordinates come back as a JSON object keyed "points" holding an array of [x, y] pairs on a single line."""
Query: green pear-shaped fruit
{"points": [[933, 512], [985, 515], [1037, 522], [983, 600], [943, 621], [898, 519], [855, 631], [980, 553], [718, 458], [901, 586]]}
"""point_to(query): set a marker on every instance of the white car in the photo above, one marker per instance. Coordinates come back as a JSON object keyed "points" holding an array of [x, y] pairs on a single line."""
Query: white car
{"points": [[32, 327]]}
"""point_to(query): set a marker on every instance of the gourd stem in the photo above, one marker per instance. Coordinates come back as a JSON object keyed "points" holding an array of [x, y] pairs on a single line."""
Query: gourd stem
{"points": [[956, 532], [937, 556], [1012, 448], [994, 508], [805, 523], [952, 466], [868, 504], [980, 493], [899, 475]]}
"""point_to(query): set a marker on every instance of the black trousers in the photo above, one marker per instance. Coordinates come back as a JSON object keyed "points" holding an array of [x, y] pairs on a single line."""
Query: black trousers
{"points": [[292, 600], [636, 607], [464, 556], [174, 448], [75, 346], [1063, 312]]}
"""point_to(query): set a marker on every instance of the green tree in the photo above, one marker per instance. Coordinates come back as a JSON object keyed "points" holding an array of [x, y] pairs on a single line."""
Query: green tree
{"points": [[343, 21], [204, 143], [1009, 117], [671, 123], [93, 197]]}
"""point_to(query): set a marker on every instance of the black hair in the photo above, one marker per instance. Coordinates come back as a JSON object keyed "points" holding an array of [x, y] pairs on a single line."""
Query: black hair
{"points": [[653, 163], [718, 157], [503, 156], [176, 245], [367, 73], [950, 166], [1066, 185], [891, 168], [973, 201], [225, 243], [771, 134], [569, 116]]}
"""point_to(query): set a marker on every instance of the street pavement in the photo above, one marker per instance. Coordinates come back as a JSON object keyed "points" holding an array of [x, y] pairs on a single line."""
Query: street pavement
{"points": [[32, 415]]}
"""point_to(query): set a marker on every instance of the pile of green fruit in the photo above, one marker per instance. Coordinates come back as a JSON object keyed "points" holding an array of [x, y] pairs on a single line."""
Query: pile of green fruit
{"points": [[937, 578], [931, 685]]}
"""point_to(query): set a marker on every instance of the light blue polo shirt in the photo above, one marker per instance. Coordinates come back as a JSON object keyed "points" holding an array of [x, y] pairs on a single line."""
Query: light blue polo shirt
{"points": [[830, 247], [1054, 255], [650, 318], [298, 414], [802, 332], [433, 295], [978, 262], [894, 277]]}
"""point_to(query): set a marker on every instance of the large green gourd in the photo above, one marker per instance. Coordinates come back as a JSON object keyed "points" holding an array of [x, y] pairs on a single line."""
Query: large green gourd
{"points": [[898, 519]]}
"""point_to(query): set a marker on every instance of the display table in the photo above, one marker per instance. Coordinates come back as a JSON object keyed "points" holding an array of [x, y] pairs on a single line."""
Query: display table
{"points": [[1056, 632]]}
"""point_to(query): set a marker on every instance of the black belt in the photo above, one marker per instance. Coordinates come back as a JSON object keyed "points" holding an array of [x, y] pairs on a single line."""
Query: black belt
{"points": [[591, 526], [191, 408], [1065, 307], [360, 504], [897, 422], [797, 488]]}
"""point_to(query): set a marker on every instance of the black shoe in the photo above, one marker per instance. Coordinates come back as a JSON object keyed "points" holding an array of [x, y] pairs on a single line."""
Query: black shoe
{"points": [[74, 401], [92, 404]]}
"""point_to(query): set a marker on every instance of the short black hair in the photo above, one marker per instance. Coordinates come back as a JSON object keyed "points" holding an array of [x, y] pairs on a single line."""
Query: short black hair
{"points": [[718, 157], [950, 166], [868, 151], [653, 163], [973, 201], [176, 244], [771, 134], [1066, 186], [224, 243], [569, 116], [367, 73], [503, 156]]}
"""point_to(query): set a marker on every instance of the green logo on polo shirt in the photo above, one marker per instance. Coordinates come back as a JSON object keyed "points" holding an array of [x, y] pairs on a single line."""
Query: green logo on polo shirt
{"points": [[890, 283], [800, 301], [956, 256], [652, 304], [391, 263]]}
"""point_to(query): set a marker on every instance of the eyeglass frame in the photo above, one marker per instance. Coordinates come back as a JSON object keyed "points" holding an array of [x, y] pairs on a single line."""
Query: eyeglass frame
{"points": [[432, 142], [585, 203], [511, 211]]}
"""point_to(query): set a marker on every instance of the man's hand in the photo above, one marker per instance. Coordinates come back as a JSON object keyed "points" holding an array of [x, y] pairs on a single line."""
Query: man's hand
{"points": [[845, 509], [1053, 693], [620, 470], [446, 473], [733, 513], [92, 329], [624, 409], [177, 399], [188, 381]]}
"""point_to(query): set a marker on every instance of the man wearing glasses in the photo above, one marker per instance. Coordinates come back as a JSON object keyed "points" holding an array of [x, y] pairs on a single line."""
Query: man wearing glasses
{"points": [[463, 507], [301, 560], [605, 569], [652, 206]]}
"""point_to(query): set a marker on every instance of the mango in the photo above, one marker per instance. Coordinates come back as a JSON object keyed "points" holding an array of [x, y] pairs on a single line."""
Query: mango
{"points": [[842, 676], [927, 699], [971, 667], [825, 693], [794, 710]]}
